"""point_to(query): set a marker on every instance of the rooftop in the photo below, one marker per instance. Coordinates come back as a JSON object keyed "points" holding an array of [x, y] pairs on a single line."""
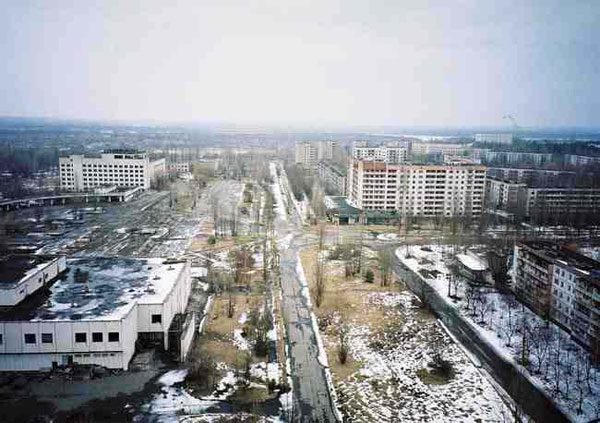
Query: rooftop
{"points": [[100, 288], [565, 256], [14, 267]]}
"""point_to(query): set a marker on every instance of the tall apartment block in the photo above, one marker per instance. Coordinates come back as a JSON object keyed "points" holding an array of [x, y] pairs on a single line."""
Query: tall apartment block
{"points": [[417, 190], [562, 285], [123, 168]]}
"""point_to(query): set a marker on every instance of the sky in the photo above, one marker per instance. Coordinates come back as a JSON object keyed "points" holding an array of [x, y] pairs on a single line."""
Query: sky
{"points": [[397, 62]]}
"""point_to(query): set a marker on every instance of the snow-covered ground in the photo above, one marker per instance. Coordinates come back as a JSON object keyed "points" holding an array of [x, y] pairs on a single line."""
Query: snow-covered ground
{"points": [[387, 386], [500, 319]]}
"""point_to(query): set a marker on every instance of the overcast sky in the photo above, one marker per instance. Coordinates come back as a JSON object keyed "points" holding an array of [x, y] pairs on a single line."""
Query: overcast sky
{"points": [[349, 62]]}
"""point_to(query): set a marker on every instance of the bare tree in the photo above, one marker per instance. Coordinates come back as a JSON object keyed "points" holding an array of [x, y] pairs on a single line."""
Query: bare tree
{"points": [[319, 280], [343, 349], [385, 266]]}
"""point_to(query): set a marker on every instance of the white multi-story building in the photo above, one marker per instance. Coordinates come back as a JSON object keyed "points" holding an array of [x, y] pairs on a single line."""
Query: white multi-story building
{"points": [[123, 168], [310, 153], [391, 152], [96, 313], [417, 190], [506, 138]]}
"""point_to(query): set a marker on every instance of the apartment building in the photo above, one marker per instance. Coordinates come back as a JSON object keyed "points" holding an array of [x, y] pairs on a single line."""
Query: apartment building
{"points": [[516, 158], [123, 168], [333, 177], [390, 152], [562, 201], [501, 194], [310, 153], [444, 148], [561, 284], [97, 312], [534, 177], [418, 190], [505, 138]]}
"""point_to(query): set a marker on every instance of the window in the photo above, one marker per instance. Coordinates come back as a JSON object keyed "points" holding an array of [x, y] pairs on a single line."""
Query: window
{"points": [[0, 339], [96, 336], [113, 336], [47, 338], [81, 337], [156, 318], [30, 338]]}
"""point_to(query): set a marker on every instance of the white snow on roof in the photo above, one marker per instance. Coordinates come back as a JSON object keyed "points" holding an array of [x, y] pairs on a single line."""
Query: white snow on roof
{"points": [[106, 288], [471, 262]]}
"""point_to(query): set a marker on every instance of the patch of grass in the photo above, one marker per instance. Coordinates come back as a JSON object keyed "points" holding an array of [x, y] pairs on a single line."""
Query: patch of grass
{"points": [[250, 395]]}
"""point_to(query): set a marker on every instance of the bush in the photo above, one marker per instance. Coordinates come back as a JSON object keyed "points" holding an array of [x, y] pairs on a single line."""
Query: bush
{"points": [[212, 240], [369, 276]]}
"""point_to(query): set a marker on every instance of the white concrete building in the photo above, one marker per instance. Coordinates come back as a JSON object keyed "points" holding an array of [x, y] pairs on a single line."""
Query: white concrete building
{"points": [[418, 190], [389, 153], [123, 168], [95, 313], [506, 138], [21, 276], [310, 153]]}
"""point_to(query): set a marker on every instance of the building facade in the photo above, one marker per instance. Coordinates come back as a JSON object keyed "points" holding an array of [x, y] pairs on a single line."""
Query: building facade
{"points": [[417, 190], [123, 168], [562, 202]]}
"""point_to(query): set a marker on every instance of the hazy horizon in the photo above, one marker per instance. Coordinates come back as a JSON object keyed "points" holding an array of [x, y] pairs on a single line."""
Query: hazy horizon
{"points": [[463, 64]]}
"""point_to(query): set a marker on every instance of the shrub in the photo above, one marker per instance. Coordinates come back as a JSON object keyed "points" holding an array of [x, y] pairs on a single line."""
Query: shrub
{"points": [[212, 240], [369, 276]]}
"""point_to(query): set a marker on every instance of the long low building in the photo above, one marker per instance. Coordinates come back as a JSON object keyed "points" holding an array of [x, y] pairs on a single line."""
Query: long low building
{"points": [[417, 190], [96, 312]]}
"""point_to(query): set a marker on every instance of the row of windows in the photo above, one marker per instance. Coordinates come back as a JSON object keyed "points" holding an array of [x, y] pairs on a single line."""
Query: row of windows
{"points": [[80, 337]]}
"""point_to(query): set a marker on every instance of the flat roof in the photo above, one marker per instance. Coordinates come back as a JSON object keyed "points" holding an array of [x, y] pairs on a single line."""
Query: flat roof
{"points": [[100, 288], [14, 267], [472, 263]]}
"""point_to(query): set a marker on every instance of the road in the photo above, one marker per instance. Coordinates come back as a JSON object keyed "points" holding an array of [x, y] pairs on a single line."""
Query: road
{"points": [[311, 398]]}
